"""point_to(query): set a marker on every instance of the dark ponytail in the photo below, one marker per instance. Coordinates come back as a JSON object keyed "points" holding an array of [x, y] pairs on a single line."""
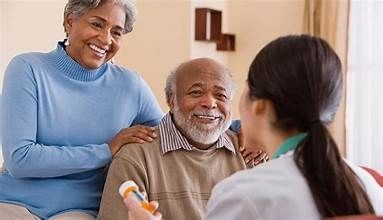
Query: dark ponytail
{"points": [[301, 76], [334, 186]]}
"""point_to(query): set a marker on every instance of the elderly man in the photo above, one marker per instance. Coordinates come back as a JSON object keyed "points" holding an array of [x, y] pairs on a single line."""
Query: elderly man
{"points": [[194, 150]]}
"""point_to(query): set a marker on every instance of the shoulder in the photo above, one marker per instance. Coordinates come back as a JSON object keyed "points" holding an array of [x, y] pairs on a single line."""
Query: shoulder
{"points": [[233, 138], [139, 153], [31, 56], [127, 79], [363, 174], [275, 185], [23, 67], [125, 74], [373, 189], [366, 178], [28, 59], [273, 174]]}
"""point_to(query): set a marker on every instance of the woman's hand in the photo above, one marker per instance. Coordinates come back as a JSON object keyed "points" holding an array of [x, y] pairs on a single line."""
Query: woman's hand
{"points": [[136, 212], [252, 155], [134, 134]]}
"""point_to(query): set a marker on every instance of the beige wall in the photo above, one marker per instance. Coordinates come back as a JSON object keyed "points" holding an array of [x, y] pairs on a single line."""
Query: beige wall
{"points": [[163, 35], [29, 25], [255, 23], [160, 40], [203, 48]]}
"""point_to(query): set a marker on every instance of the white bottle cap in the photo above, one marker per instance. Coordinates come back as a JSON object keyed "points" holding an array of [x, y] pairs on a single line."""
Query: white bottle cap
{"points": [[127, 184]]}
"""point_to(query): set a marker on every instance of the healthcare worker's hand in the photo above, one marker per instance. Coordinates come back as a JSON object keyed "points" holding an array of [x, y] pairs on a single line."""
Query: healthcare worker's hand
{"points": [[136, 212]]}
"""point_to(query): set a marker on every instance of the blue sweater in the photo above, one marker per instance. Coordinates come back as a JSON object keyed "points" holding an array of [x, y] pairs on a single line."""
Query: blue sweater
{"points": [[57, 117]]}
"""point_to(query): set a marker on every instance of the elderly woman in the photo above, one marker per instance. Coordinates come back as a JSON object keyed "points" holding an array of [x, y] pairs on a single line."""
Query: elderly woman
{"points": [[293, 91], [67, 112]]}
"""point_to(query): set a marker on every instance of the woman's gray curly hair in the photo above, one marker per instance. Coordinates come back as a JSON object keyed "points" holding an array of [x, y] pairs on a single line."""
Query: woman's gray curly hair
{"points": [[80, 7]]}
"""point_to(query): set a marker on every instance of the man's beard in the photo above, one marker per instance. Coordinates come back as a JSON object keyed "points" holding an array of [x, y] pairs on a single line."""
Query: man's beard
{"points": [[199, 132]]}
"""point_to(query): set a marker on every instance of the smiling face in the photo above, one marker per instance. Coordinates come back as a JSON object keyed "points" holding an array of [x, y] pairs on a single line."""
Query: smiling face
{"points": [[202, 100], [95, 37]]}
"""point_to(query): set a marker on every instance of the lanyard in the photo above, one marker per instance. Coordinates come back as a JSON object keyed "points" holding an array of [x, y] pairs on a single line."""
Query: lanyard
{"points": [[289, 144]]}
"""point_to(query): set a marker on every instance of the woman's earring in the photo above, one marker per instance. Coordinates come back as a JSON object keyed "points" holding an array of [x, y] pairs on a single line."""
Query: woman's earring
{"points": [[66, 43]]}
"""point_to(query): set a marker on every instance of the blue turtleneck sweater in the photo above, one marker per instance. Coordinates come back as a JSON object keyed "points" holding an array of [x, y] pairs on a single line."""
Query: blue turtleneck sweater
{"points": [[57, 117]]}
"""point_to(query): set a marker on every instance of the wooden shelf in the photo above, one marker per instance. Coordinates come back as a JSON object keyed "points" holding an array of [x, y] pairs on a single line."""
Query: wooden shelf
{"points": [[208, 24], [227, 42]]}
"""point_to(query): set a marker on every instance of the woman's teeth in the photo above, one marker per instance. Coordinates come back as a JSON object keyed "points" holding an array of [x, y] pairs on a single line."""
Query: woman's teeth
{"points": [[97, 49]]}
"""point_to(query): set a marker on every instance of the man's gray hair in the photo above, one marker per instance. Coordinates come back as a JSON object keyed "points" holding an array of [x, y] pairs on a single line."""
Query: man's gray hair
{"points": [[170, 85], [171, 81], [80, 7]]}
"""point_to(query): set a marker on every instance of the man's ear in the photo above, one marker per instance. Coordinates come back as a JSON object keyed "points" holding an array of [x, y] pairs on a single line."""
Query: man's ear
{"points": [[171, 103]]}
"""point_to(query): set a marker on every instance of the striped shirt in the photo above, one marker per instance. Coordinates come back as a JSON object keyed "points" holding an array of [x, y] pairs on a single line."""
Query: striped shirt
{"points": [[172, 139]]}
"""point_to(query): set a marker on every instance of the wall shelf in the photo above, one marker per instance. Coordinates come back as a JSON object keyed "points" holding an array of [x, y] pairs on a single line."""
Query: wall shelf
{"points": [[227, 42], [208, 24]]}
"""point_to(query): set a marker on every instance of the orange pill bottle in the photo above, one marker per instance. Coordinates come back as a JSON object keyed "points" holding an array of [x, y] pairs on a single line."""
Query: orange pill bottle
{"points": [[131, 187]]}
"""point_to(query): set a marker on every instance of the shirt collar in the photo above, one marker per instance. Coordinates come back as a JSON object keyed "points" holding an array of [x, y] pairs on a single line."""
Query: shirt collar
{"points": [[289, 144], [171, 138]]}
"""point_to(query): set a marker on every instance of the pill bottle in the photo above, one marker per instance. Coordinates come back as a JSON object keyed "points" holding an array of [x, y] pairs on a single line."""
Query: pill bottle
{"points": [[131, 187]]}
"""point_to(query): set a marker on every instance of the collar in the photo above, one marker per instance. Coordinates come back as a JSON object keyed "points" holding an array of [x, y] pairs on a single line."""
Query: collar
{"points": [[289, 144], [68, 66], [171, 138]]}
